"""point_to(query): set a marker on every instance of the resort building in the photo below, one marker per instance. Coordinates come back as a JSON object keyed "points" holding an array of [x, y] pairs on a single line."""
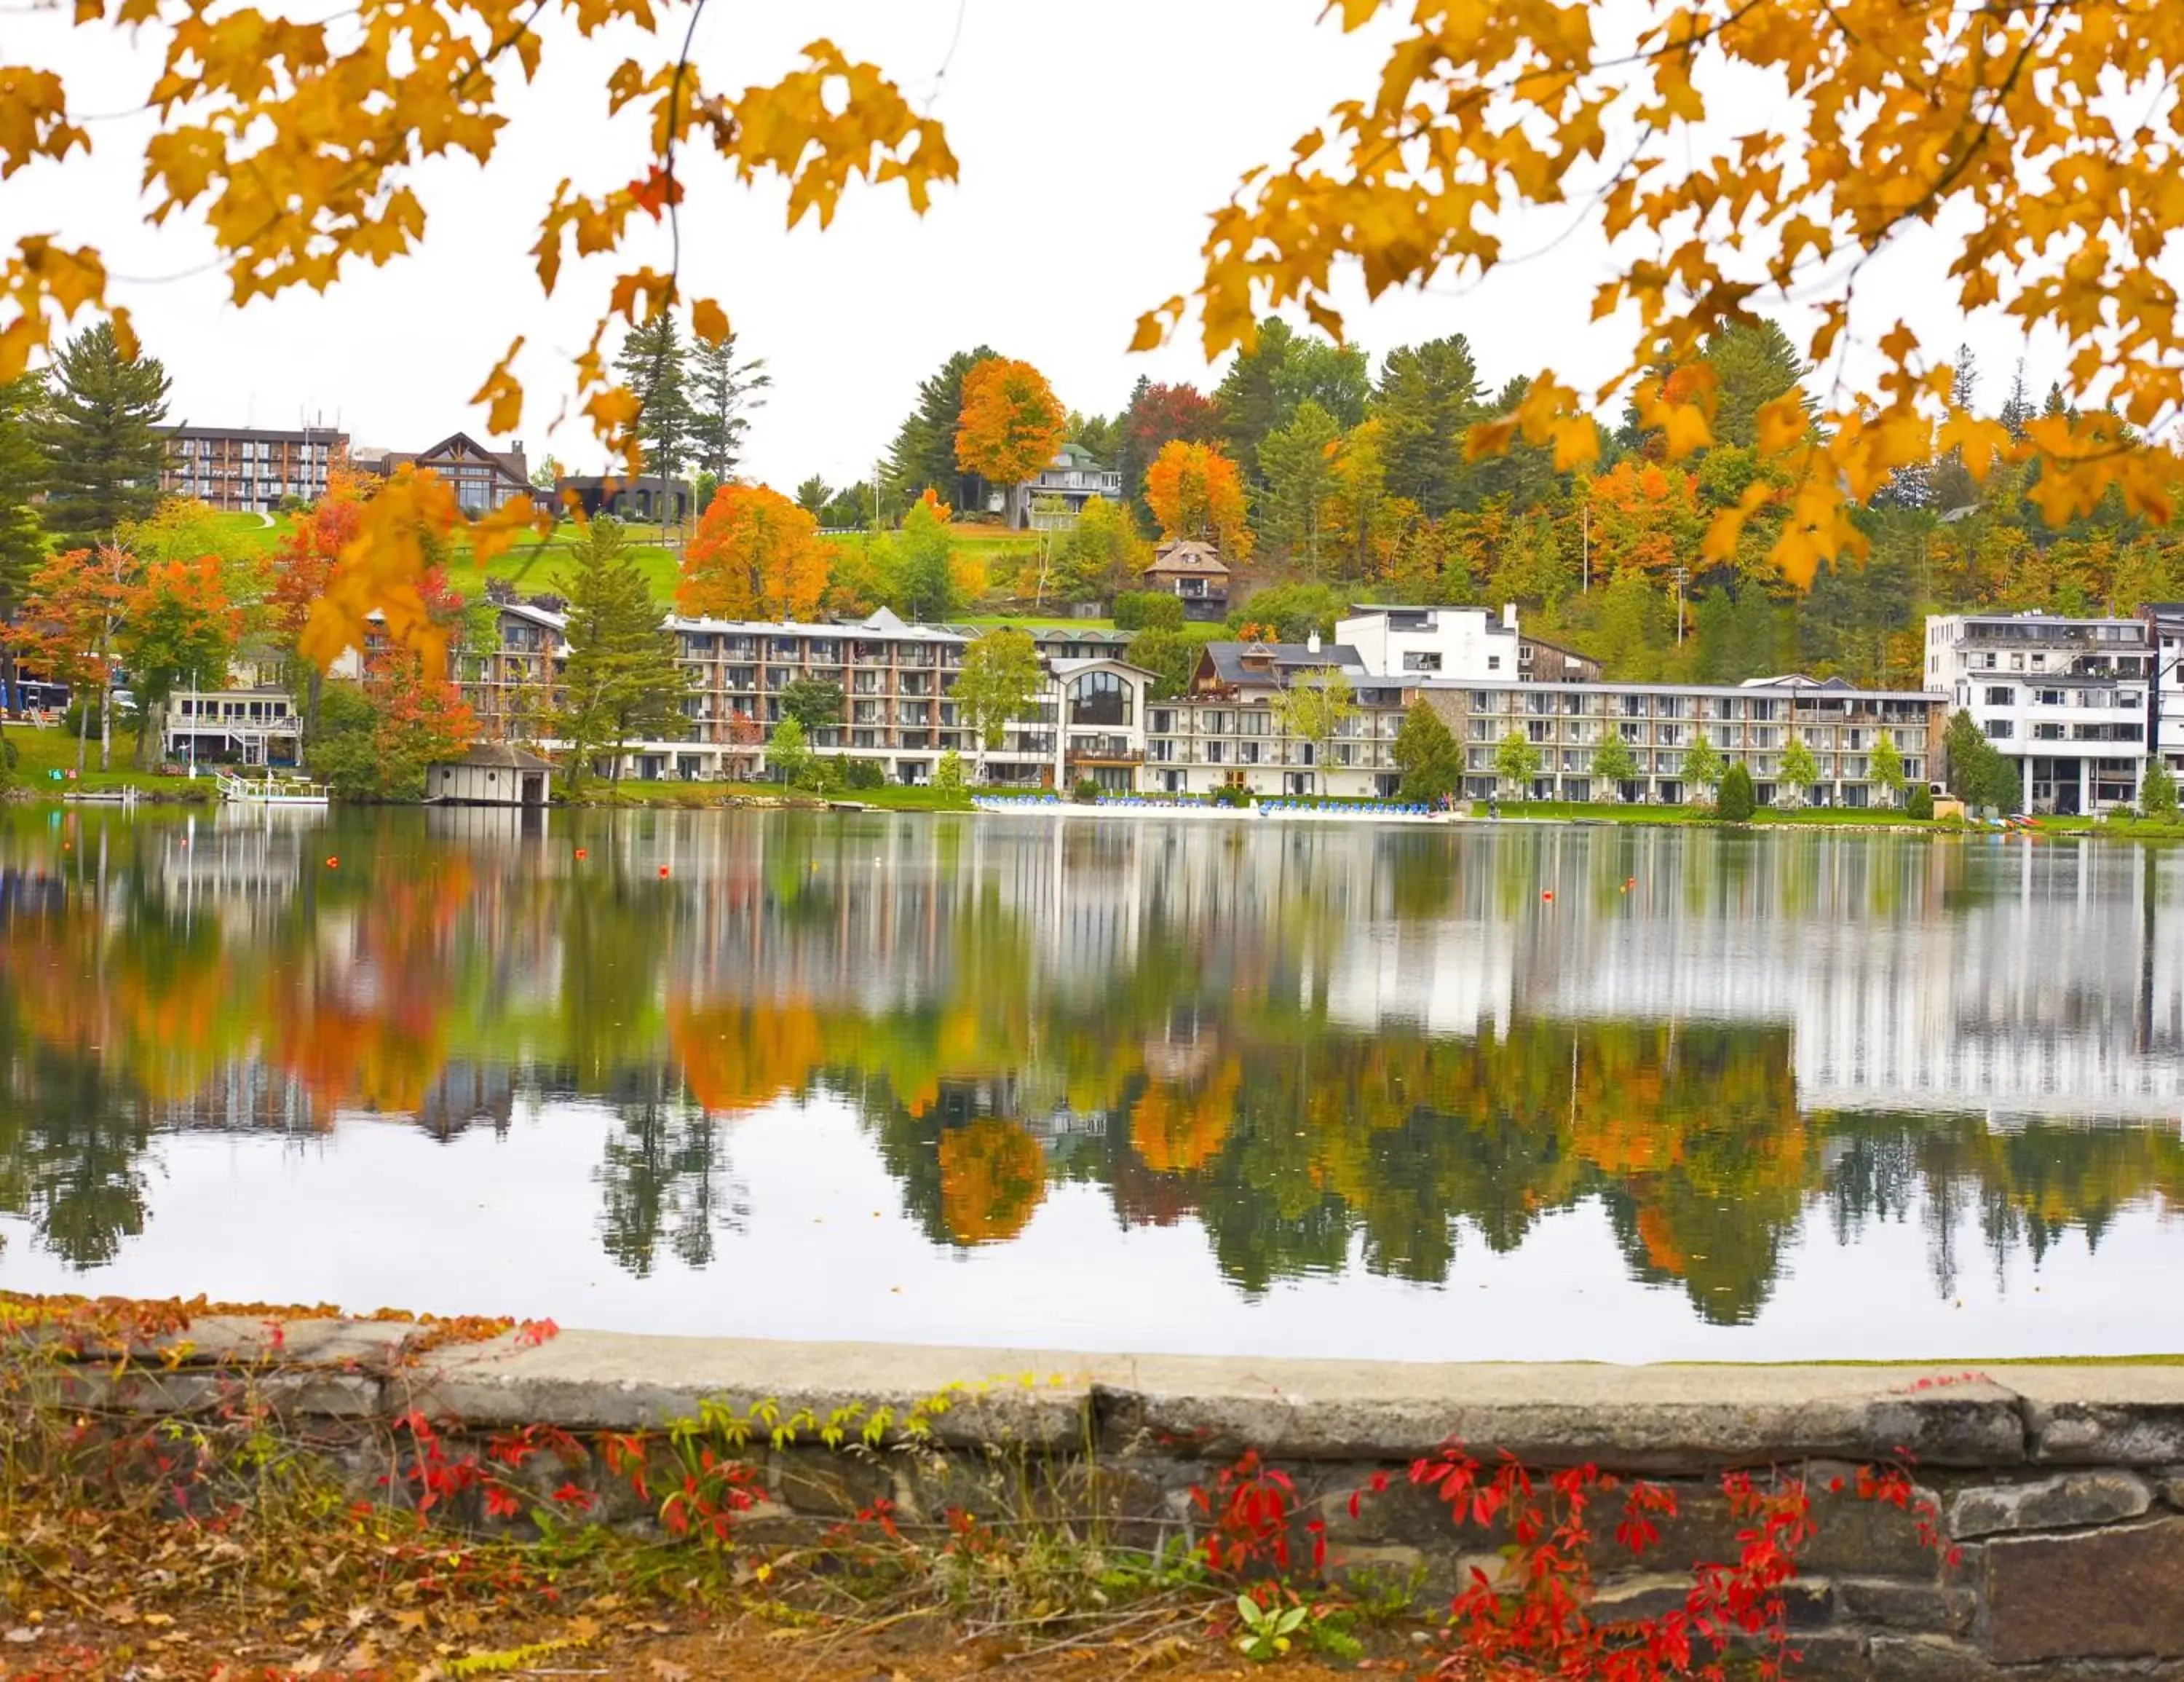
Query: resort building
{"points": [[1097, 719], [249, 470], [2164, 715], [237, 726], [2067, 700], [1753, 724], [482, 479]]}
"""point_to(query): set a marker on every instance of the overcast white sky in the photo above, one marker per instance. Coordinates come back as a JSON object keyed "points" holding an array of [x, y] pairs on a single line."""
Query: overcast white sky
{"points": [[1093, 140]]}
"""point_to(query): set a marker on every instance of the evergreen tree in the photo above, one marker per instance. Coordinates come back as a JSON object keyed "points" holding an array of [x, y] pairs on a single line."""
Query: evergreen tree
{"points": [[1297, 464], [2018, 409], [653, 364], [622, 682], [1737, 801], [722, 390], [22, 475], [922, 457], [1284, 370], [1427, 755], [1752, 365], [99, 433], [1427, 398]]}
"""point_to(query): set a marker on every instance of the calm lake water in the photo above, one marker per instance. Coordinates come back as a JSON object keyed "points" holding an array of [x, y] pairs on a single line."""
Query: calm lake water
{"points": [[1499, 1092]]}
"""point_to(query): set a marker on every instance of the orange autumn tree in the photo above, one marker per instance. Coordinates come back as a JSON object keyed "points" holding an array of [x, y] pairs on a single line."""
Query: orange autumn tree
{"points": [[72, 619], [1195, 492], [993, 1176], [1645, 515], [756, 555], [1742, 156], [180, 628], [1011, 423]]}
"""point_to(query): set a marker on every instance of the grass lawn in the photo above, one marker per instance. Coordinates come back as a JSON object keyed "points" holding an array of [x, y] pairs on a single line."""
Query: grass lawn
{"points": [[40, 753], [535, 566], [247, 534]]}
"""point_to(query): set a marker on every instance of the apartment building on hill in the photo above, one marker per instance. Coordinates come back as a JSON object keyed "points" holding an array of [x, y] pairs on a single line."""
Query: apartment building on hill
{"points": [[249, 470]]}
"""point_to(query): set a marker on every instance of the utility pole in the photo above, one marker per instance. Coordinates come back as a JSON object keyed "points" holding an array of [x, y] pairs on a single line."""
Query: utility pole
{"points": [[1680, 604], [1584, 531]]}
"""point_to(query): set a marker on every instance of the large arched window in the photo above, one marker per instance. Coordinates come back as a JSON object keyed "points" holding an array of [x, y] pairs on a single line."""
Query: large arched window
{"points": [[1100, 698]]}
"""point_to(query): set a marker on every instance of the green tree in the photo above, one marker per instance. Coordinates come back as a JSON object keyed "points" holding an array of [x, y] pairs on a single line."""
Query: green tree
{"points": [[1292, 612], [1172, 653], [789, 752], [918, 564], [1737, 802], [621, 682], [22, 476], [1888, 767], [1752, 365], [1427, 755], [723, 390], [812, 703], [1920, 802], [813, 495], [948, 777], [1297, 464], [1800, 772], [1517, 761], [922, 457], [1285, 368], [1612, 762], [2157, 790], [1427, 398], [1102, 555], [654, 363], [1000, 675], [97, 430], [1314, 708], [1147, 610], [1702, 766]]}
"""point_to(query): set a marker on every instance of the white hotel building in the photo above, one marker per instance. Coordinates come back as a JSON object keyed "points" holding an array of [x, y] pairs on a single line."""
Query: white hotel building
{"points": [[1096, 718], [2067, 700]]}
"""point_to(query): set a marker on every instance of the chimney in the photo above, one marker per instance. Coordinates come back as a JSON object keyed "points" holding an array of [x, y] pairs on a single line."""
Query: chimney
{"points": [[1311, 643], [1508, 616]]}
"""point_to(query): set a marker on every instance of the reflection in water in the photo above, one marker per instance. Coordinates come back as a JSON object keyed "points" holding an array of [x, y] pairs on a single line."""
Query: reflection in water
{"points": [[1335, 1052]]}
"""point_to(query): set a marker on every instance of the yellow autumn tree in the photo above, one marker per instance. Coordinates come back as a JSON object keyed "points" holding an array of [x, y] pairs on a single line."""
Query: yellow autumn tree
{"points": [[1194, 492], [2031, 149], [1011, 422], [755, 554], [993, 1176]]}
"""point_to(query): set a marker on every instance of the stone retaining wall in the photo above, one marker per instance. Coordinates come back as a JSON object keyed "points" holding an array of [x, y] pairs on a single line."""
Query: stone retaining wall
{"points": [[2062, 1487]]}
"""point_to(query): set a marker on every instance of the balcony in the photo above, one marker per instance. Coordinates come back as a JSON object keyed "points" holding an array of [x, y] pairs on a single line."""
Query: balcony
{"points": [[1104, 750]]}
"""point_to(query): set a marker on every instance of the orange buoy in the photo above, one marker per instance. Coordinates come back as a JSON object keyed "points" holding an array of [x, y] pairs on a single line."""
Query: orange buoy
{"points": [[332, 863], [663, 869], [1548, 894], [580, 852]]}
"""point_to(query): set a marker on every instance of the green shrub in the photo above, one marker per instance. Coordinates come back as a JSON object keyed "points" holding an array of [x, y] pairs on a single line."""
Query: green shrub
{"points": [[863, 774], [1086, 792], [1232, 794], [1920, 802], [1147, 611], [2157, 794], [1736, 801]]}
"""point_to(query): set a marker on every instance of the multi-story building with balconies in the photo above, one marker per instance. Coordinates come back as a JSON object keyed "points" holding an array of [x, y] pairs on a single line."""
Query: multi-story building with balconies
{"points": [[1052, 498], [2067, 700], [1752, 725], [249, 470]]}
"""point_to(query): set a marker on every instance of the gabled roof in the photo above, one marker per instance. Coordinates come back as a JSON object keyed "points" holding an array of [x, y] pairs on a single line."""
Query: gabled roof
{"points": [[1073, 668], [1237, 663], [501, 756], [1074, 455], [1186, 555], [446, 450]]}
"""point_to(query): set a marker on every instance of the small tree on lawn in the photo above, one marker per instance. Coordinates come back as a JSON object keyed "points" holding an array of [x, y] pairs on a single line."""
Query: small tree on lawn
{"points": [[1888, 767], [78, 603], [1000, 675], [948, 776], [180, 629], [2157, 790], [622, 683], [1800, 772], [1518, 761], [1736, 801], [789, 755], [1702, 768], [1613, 763], [1426, 754], [1314, 708]]}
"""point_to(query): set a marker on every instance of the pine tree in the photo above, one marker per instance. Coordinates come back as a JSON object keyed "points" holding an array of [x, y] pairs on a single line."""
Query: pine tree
{"points": [[622, 683], [722, 390], [653, 365], [98, 432], [1426, 754], [22, 475], [922, 457]]}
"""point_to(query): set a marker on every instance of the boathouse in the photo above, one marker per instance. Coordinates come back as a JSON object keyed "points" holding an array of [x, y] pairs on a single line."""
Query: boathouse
{"points": [[490, 774]]}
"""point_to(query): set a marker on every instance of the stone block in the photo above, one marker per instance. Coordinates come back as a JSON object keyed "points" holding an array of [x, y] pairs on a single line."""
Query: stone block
{"points": [[1628, 1419], [1928, 1608], [2103, 1416], [2071, 1501], [1926, 1658], [1851, 1538], [2115, 1593]]}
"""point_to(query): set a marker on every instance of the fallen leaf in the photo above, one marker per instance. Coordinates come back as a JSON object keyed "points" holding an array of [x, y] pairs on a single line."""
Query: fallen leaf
{"points": [[668, 1671], [22, 1637]]}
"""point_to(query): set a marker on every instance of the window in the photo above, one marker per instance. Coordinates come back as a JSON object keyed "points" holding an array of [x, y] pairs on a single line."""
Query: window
{"points": [[1421, 662], [1494, 662], [2000, 695], [1998, 729], [2047, 698], [1100, 698]]}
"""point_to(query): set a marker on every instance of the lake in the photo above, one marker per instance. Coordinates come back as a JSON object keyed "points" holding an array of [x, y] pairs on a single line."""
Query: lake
{"points": [[1504, 1092]]}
